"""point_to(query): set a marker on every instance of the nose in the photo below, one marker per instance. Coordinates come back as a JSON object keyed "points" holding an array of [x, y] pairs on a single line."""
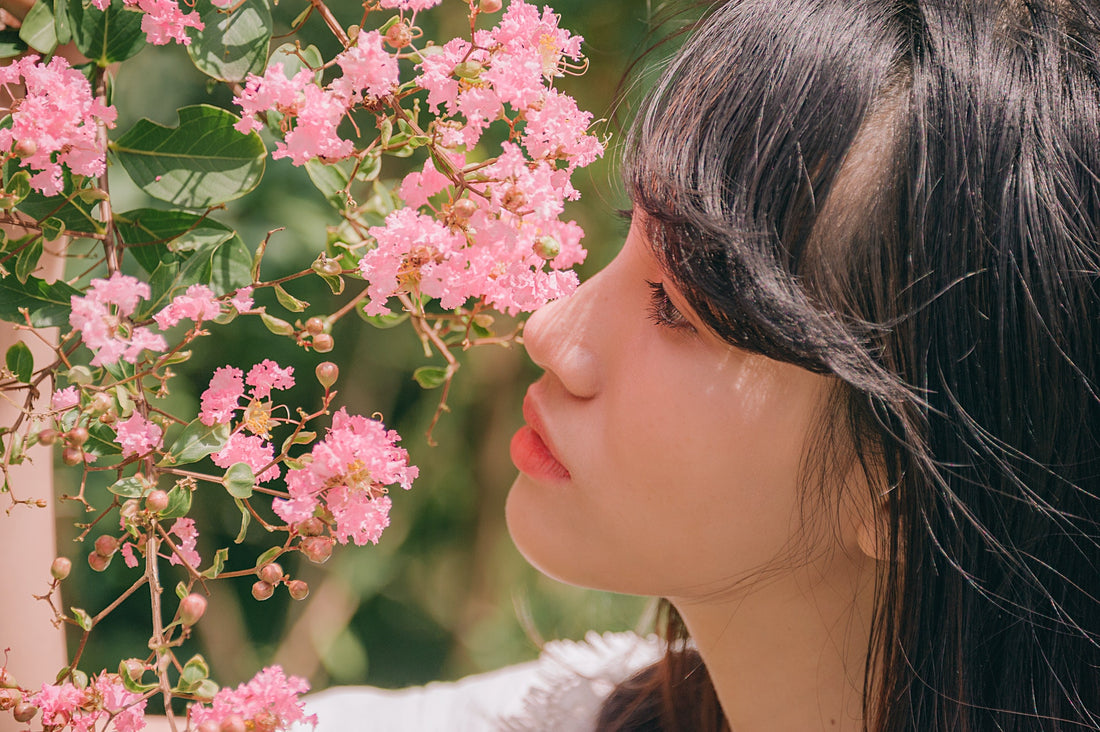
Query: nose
{"points": [[561, 338]]}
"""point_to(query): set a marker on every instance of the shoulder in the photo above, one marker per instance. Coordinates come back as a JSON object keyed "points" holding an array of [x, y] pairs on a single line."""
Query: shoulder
{"points": [[561, 691]]}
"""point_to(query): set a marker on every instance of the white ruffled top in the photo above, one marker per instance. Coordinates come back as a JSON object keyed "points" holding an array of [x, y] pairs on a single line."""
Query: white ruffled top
{"points": [[562, 691]]}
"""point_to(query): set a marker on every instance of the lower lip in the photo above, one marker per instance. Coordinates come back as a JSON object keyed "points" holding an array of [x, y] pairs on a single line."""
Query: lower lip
{"points": [[533, 458]]}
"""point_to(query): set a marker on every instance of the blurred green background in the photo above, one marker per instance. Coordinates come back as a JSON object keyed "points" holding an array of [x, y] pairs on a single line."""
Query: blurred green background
{"points": [[445, 593]]}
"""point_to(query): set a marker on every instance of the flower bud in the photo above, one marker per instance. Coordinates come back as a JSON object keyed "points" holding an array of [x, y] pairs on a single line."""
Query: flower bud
{"points": [[271, 573], [490, 6], [48, 436], [9, 698], [298, 589], [463, 209], [233, 723], [468, 69], [192, 608], [60, 568], [317, 548], [98, 562], [398, 36], [72, 455], [77, 436], [134, 667], [262, 590], [209, 726], [327, 373], [312, 526], [101, 402], [156, 501], [327, 266], [513, 199], [25, 148], [24, 712], [106, 545], [323, 343], [315, 326], [547, 247], [130, 509]]}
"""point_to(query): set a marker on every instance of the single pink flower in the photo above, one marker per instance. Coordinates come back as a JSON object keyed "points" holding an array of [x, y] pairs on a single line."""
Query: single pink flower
{"points": [[219, 401], [268, 375], [197, 304], [242, 299], [250, 449], [138, 436], [64, 399], [184, 530]]}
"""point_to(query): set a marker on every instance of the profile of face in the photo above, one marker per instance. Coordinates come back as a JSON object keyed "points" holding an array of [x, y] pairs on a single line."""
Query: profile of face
{"points": [[657, 459]]}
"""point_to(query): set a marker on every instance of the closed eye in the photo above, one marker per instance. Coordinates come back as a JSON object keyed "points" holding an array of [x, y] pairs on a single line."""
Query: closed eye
{"points": [[663, 312]]}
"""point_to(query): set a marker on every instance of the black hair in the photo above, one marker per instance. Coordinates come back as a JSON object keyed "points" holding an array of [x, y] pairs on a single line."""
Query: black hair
{"points": [[906, 195]]}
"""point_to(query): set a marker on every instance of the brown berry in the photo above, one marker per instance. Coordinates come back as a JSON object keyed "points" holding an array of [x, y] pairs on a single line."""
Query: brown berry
{"points": [[24, 712], [77, 436], [463, 209], [262, 590], [315, 326], [98, 562], [271, 573], [106, 545], [323, 343], [25, 148], [398, 36], [72, 455], [192, 608], [156, 501], [298, 589], [60, 568], [48, 436], [317, 549], [312, 526], [327, 373], [233, 723], [209, 726], [490, 6]]}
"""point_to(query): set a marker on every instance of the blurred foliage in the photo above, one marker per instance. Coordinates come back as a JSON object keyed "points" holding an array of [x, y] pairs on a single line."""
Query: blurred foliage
{"points": [[445, 593]]}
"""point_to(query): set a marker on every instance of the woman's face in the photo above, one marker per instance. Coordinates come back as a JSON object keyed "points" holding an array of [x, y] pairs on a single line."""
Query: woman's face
{"points": [[656, 459]]}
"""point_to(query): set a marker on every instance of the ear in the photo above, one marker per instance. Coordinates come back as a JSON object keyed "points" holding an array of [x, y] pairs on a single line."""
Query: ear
{"points": [[872, 532]]}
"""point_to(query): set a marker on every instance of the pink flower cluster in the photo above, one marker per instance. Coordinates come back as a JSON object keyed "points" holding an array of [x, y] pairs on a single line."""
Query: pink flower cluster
{"points": [[164, 21], [313, 113], [71, 707], [348, 472], [197, 304], [219, 405], [55, 123], [495, 243], [269, 702], [102, 319], [138, 436]]}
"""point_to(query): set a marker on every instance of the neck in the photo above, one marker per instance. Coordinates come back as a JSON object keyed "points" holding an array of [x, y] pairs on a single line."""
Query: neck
{"points": [[788, 653]]}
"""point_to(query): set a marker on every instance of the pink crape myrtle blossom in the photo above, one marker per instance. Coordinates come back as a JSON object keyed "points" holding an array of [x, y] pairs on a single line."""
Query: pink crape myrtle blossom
{"points": [[249, 449], [559, 129], [65, 399], [197, 303], [270, 696], [219, 402], [128, 555], [67, 706], [56, 123], [366, 66], [413, 5], [242, 300], [184, 530], [268, 375], [100, 317], [138, 436], [349, 469], [164, 21], [418, 187]]}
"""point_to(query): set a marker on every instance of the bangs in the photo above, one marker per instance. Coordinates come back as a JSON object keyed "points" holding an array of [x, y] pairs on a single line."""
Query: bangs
{"points": [[734, 155]]}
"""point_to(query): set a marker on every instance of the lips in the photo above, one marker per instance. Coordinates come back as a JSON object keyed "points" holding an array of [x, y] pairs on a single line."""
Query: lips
{"points": [[530, 452]]}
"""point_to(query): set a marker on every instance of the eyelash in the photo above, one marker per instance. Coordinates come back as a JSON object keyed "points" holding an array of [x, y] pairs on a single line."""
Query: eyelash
{"points": [[663, 312]]}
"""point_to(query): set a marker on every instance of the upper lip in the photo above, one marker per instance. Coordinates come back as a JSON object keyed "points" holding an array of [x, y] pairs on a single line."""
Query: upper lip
{"points": [[532, 415]]}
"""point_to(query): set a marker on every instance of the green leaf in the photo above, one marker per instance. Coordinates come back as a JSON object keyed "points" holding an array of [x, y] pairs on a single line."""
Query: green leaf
{"points": [[83, 619], [201, 162], [179, 503], [217, 565], [196, 442], [27, 259], [287, 55], [101, 440], [155, 236], [67, 206], [334, 282], [268, 556], [302, 438], [38, 30], [205, 691], [47, 304], [194, 671], [132, 684], [246, 518], [288, 301], [132, 487], [276, 325], [239, 480], [181, 590], [20, 361], [382, 322], [18, 186], [430, 377], [232, 45], [331, 180], [106, 36], [53, 228], [10, 43]]}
